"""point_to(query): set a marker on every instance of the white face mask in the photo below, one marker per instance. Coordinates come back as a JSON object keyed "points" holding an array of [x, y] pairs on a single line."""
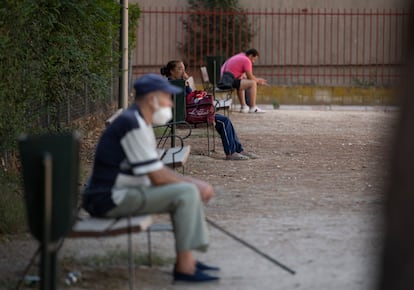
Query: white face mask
{"points": [[162, 114]]}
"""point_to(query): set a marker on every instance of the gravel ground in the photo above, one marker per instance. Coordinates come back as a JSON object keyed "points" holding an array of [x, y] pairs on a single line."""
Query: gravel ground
{"points": [[312, 201]]}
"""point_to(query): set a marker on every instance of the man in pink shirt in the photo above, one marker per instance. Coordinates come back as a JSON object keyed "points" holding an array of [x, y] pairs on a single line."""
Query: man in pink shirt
{"points": [[241, 66]]}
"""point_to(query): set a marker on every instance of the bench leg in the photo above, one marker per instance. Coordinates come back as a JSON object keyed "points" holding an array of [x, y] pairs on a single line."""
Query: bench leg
{"points": [[131, 266], [208, 139], [149, 247]]}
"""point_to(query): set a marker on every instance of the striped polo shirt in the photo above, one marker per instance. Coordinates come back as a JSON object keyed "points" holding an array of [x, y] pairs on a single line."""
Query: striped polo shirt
{"points": [[125, 154]]}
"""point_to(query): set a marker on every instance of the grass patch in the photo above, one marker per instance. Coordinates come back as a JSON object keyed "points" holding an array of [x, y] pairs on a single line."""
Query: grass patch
{"points": [[160, 131], [118, 257], [12, 208]]}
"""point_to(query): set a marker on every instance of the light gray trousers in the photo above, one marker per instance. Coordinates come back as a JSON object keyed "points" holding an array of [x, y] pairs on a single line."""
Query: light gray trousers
{"points": [[181, 200]]}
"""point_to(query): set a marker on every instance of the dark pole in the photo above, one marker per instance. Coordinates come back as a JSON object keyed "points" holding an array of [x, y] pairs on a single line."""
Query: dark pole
{"points": [[264, 255], [120, 90], [48, 258], [123, 51]]}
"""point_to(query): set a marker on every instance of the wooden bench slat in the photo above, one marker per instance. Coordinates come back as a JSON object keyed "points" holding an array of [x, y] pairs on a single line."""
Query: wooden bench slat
{"points": [[161, 227], [114, 116], [91, 227], [223, 103], [176, 156]]}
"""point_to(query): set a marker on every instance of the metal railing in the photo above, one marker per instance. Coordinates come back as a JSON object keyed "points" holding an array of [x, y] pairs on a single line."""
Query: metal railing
{"points": [[341, 47]]}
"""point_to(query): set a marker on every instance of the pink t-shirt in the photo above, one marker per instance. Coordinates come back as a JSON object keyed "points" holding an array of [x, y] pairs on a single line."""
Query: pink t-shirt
{"points": [[237, 64]]}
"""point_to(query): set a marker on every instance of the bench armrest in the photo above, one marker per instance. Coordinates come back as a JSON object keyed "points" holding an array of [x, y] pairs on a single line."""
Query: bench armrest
{"points": [[168, 134]]}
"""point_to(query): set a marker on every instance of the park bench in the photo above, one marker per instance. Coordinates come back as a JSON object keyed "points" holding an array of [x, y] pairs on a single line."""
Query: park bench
{"points": [[92, 227], [85, 226]]}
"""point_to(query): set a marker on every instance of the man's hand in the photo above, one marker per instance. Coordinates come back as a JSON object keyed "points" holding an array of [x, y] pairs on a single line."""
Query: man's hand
{"points": [[261, 81], [205, 188]]}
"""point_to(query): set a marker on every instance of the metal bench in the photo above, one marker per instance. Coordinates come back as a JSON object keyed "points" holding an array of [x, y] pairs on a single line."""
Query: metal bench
{"points": [[91, 227]]}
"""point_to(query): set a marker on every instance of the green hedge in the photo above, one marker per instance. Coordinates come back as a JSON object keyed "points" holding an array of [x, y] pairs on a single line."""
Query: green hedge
{"points": [[49, 51]]}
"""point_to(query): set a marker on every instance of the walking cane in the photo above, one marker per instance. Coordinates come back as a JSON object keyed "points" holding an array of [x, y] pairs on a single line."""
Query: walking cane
{"points": [[264, 255]]}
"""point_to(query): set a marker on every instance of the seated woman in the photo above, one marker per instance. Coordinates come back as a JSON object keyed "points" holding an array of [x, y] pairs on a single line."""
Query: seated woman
{"points": [[175, 70]]}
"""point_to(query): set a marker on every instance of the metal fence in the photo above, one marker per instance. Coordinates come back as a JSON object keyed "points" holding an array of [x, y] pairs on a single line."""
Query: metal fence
{"points": [[330, 47]]}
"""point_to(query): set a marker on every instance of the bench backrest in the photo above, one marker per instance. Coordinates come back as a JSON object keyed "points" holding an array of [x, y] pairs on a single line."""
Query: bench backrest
{"points": [[50, 168], [179, 101], [214, 63]]}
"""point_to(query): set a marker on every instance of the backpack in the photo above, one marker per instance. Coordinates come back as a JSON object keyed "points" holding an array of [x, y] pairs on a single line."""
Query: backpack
{"points": [[226, 81], [199, 108]]}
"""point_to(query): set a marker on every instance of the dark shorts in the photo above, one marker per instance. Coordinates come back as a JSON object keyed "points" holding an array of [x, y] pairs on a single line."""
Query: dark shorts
{"points": [[236, 84]]}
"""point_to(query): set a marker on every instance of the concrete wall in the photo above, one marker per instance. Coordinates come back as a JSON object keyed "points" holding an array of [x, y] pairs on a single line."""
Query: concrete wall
{"points": [[320, 95]]}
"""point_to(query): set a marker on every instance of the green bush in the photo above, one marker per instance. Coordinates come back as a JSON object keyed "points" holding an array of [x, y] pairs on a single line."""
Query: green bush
{"points": [[224, 30], [12, 207], [50, 51]]}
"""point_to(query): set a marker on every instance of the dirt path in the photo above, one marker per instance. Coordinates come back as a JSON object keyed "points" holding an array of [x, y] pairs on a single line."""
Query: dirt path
{"points": [[312, 201]]}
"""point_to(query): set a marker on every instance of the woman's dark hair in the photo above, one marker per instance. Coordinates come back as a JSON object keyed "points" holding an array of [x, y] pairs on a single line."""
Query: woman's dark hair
{"points": [[166, 70]]}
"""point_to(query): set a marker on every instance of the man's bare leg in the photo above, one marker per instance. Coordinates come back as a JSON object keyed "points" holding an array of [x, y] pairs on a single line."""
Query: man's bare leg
{"points": [[251, 86], [187, 270], [241, 97], [185, 263]]}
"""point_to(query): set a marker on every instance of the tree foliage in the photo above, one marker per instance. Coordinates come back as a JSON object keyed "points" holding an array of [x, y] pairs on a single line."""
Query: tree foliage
{"points": [[215, 27], [49, 50]]}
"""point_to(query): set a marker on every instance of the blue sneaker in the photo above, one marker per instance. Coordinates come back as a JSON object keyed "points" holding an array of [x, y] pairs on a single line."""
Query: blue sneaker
{"points": [[197, 277]]}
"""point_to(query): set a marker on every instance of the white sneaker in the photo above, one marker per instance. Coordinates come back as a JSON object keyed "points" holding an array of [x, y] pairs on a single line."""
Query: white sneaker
{"points": [[256, 109], [244, 109]]}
